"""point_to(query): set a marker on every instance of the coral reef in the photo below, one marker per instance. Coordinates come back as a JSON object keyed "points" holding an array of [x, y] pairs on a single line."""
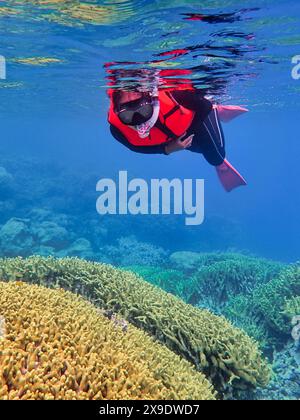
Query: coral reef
{"points": [[58, 346], [285, 383], [58, 203], [22, 237], [225, 354], [267, 312], [172, 281], [292, 307], [52, 235], [80, 248], [241, 310], [6, 182], [226, 279], [219, 277], [16, 238], [129, 251], [271, 298], [209, 279]]}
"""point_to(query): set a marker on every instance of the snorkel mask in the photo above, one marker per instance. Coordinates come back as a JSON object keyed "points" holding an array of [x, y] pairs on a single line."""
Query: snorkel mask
{"points": [[141, 114], [145, 128]]}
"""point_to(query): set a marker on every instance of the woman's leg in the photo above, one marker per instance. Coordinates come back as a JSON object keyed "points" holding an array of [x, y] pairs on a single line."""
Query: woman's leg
{"points": [[209, 139]]}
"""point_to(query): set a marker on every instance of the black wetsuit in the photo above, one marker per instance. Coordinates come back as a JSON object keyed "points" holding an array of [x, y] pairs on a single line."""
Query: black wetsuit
{"points": [[206, 126]]}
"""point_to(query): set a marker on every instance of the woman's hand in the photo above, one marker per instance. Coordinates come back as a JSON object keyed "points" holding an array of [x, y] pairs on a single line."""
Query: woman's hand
{"points": [[179, 144]]}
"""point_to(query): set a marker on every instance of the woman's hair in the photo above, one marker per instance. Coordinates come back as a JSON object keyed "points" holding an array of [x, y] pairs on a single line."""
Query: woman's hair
{"points": [[119, 96]]}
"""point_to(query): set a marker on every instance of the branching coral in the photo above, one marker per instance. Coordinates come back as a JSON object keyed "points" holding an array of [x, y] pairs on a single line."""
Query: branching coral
{"points": [[212, 344], [58, 346], [172, 281], [271, 298], [242, 312], [226, 279], [266, 312], [210, 280], [292, 307], [220, 277], [129, 251]]}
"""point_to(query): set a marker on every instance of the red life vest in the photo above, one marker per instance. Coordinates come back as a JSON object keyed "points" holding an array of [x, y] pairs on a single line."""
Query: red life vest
{"points": [[174, 121]]}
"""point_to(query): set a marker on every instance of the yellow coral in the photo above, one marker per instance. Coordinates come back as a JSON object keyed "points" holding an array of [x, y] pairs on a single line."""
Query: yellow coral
{"points": [[58, 346], [224, 353]]}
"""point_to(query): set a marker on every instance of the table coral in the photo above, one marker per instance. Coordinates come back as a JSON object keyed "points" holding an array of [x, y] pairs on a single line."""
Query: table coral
{"points": [[58, 346], [224, 353]]}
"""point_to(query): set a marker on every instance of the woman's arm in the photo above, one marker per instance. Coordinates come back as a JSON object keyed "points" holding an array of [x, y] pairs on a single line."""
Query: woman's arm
{"points": [[149, 150]]}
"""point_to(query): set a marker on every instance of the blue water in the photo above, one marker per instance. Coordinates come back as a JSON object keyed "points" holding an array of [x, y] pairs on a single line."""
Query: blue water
{"points": [[56, 144]]}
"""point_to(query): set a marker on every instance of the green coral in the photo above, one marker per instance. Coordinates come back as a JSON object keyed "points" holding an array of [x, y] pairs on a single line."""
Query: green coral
{"points": [[292, 308], [266, 312], [172, 281], [271, 298], [210, 279], [194, 261], [225, 354], [216, 278], [242, 312]]}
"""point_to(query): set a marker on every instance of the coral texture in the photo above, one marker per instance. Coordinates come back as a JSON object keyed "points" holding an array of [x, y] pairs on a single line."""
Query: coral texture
{"points": [[285, 383], [271, 298], [292, 307], [130, 251], [172, 281], [225, 354], [58, 346]]}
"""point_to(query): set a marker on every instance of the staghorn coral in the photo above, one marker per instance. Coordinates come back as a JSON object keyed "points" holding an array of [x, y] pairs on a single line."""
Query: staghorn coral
{"points": [[242, 312], [225, 279], [225, 354], [285, 383], [292, 308], [271, 298], [172, 281], [58, 346], [129, 251], [267, 311]]}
